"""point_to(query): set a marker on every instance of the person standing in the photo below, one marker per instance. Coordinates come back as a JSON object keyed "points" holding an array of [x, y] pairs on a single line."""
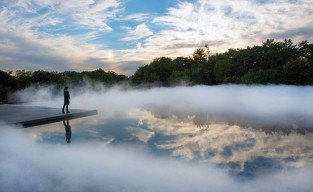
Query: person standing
{"points": [[66, 100]]}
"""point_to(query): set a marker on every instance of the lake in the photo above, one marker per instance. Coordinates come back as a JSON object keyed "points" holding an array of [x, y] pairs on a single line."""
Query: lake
{"points": [[223, 138]]}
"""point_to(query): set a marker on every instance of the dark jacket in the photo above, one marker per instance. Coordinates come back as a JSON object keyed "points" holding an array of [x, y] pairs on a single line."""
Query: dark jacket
{"points": [[66, 96]]}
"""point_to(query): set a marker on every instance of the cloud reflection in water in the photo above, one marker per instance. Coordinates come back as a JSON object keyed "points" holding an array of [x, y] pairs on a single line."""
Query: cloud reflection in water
{"points": [[185, 139], [242, 150]]}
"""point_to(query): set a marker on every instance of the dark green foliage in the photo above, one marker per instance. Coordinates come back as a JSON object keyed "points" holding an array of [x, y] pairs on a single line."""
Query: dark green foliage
{"points": [[4, 78], [179, 77], [100, 76], [4, 85], [306, 50], [159, 71], [273, 62], [297, 72], [73, 78], [23, 79], [45, 77], [273, 76], [199, 56], [221, 70]]}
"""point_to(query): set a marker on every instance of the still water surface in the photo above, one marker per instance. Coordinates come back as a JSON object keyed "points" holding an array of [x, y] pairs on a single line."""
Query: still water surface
{"points": [[201, 138], [242, 149]]}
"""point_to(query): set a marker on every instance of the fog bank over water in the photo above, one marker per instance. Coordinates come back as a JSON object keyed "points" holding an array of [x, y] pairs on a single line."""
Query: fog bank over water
{"points": [[267, 105], [180, 115], [26, 165]]}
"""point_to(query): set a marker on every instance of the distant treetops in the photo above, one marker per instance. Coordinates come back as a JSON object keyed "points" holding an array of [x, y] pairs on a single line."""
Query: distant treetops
{"points": [[272, 62]]}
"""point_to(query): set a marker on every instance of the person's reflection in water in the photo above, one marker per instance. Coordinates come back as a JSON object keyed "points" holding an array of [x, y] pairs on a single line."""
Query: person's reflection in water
{"points": [[68, 130]]}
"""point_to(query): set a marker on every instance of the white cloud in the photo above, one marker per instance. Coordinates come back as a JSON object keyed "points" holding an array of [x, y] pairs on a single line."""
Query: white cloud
{"points": [[47, 24], [139, 32], [223, 25], [55, 53], [237, 24], [139, 17], [138, 45], [29, 48], [91, 13]]}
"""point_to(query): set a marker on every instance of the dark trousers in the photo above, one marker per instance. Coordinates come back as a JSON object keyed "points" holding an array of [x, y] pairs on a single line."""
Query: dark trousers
{"points": [[66, 103]]}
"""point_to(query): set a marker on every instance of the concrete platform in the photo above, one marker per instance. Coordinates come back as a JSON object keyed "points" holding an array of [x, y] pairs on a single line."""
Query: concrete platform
{"points": [[28, 116]]}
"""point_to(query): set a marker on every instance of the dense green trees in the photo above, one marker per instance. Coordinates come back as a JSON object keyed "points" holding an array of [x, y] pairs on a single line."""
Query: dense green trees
{"points": [[4, 85], [273, 62], [297, 72], [23, 79]]}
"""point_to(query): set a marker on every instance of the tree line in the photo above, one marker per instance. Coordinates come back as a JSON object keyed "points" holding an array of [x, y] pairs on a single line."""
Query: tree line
{"points": [[273, 62], [13, 81]]}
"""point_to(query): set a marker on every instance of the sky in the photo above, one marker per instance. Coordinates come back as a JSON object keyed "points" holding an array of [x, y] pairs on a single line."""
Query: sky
{"points": [[122, 35]]}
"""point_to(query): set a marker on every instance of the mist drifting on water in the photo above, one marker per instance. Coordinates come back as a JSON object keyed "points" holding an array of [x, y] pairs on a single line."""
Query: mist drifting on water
{"points": [[29, 166], [279, 105]]}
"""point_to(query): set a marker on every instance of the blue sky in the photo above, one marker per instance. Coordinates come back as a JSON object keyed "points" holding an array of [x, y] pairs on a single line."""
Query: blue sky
{"points": [[58, 35]]}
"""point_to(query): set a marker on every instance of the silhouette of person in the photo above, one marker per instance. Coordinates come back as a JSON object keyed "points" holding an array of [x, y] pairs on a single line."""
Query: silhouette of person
{"points": [[68, 130], [66, 99]]}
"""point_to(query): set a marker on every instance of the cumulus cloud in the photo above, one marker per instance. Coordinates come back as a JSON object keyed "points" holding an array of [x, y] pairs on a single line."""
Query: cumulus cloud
{"points": [[223, 25], [238, 24], [70, 35], [26, 51], [33, 45]]}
